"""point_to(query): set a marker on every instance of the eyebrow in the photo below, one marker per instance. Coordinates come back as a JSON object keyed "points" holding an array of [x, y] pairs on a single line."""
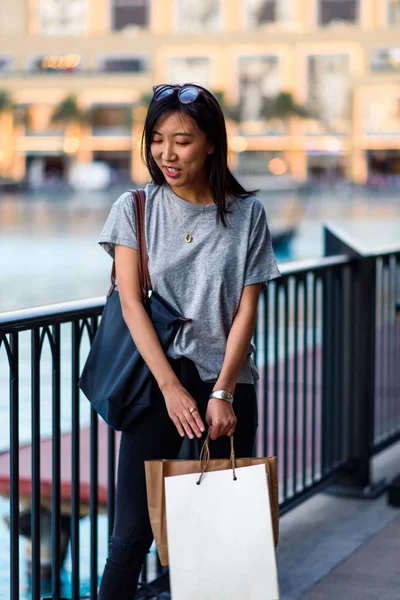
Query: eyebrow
{"points": [[175, 134]]}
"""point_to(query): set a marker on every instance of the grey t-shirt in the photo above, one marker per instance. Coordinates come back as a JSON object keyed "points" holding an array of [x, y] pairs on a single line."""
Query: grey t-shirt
{"points": [[203, 280]]}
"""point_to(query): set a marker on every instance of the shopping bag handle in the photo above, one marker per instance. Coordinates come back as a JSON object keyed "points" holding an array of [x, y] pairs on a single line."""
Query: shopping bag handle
{"points": [[205, 457]]}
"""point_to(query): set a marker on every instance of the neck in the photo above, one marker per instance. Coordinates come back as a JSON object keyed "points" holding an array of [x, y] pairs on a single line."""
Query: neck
{"points": [[195, 194]]}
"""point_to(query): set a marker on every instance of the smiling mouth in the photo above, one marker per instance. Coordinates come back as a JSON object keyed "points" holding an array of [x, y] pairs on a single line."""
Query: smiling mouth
{"points": [[172, 171]]}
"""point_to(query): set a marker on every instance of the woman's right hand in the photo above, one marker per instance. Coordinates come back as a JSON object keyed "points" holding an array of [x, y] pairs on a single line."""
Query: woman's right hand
{"points": [[179, 402]]}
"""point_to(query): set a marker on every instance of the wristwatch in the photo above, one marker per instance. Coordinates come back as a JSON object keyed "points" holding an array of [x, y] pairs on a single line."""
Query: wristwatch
{"points": [[221, 395]]}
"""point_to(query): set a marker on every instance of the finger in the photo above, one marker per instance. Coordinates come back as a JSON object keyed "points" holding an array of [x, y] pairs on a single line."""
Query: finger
{"points": [[193, 423], [185, 425], [224, 427], [232, 428], [196, 416], [229, 429], [215, 431], [178, 425]]}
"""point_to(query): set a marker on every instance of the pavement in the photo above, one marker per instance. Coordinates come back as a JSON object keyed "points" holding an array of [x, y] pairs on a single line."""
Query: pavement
{"points": [[371, 572], [339, 547]]}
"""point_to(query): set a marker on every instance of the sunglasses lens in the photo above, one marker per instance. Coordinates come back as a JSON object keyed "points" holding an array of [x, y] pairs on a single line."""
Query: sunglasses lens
{"points": [[163, 92], [188, 94]]}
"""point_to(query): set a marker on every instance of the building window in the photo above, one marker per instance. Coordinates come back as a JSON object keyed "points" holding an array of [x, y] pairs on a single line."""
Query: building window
{"points": [[393, 13], [385, 59], [123, 64], [258, 81], [330, 72], [111, 119], [198, 15], [260, 12], [130, 14], [192, 69], [61, 17], [6, 64], [338, 10], [56, 63]]}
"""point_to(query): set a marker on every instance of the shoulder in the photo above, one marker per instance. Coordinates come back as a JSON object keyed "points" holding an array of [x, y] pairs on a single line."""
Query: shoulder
{"points": [[123, 199], [254, 203], [153, 192], [124, 205], [250, 207], [126, 202]]}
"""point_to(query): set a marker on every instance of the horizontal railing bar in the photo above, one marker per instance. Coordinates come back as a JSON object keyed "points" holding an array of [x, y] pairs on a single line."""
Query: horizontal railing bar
{"points": [[358, 247], [51, 314], [65, 311], [389, 441], [312, 265], [381, 252]]}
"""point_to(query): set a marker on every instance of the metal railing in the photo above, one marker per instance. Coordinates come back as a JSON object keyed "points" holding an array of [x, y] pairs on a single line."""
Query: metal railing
{"points": [[329, 398], [305, 388]]}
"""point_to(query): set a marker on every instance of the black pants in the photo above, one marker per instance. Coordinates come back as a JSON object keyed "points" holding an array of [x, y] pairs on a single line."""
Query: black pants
{"points": [[153, 436]]}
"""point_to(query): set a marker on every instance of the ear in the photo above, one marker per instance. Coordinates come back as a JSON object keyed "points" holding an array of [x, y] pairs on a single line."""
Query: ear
{"points": [[211, 150]]}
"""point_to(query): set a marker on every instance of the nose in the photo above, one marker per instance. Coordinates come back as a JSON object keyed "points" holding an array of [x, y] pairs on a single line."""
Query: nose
{"points": [[168, 153]]}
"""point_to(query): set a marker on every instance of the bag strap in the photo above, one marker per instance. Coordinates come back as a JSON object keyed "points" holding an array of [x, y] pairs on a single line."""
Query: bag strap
{"points": [[205, 457], [139, 199]]}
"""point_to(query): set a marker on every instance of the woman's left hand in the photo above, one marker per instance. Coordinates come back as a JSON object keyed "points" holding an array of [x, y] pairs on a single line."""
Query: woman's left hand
{"points": [[220, 418]]}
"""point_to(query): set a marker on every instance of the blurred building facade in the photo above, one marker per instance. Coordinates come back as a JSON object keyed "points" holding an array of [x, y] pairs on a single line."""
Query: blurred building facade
{"points": [[338, 58]]}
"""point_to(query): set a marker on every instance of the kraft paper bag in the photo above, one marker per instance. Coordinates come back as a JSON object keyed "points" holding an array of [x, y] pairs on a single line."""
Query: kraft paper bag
{"points": [[220, 537], [158, 470]]}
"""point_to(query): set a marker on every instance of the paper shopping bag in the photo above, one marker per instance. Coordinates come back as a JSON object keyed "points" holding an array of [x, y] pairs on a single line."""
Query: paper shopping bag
{"points": [[220, 538], [158, 470]]}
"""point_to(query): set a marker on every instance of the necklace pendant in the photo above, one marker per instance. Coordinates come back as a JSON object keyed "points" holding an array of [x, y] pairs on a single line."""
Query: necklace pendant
{"points": [[188, 238]]}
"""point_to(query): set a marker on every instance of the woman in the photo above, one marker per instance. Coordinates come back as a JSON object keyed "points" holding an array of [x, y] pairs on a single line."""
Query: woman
{"points": [[210, 254]]}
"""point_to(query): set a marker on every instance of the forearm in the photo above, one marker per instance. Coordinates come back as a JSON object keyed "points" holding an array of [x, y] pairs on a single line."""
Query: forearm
{"points": [[237, 348], [148, 344]]}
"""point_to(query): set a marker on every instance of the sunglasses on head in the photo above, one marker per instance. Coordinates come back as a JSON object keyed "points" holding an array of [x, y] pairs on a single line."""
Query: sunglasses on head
{"points": [[186, 93]]}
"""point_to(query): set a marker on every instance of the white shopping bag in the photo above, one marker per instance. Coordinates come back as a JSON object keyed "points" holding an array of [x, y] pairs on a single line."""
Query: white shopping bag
{"points": [[220, 538]]}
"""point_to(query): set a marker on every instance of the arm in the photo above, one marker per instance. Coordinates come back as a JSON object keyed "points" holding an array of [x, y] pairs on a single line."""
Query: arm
{"points": [[177, 399], [220, 414]]}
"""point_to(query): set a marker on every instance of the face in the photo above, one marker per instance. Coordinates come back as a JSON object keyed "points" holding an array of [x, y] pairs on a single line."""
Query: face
{"points": [[180, 150]]}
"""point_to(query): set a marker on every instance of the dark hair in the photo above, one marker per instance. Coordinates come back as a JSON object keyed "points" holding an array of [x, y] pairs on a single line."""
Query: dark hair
{"points": [[207, 113]]}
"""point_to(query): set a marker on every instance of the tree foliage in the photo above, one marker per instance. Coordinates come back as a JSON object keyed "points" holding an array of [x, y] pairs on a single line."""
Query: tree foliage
{"points": [[144, 100], [231, 111], [6, 101], [284, 107], [68, 111]]}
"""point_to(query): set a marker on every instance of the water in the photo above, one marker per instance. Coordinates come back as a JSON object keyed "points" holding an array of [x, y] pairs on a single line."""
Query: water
{"points": [[49, 254]]}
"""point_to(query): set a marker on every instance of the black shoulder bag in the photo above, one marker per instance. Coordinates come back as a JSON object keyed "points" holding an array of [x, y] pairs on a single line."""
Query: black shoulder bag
{"points": [[115, 378]]}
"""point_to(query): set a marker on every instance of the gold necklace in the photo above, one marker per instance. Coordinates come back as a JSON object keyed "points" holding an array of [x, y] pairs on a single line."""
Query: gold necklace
{"points": [[189, 234]]}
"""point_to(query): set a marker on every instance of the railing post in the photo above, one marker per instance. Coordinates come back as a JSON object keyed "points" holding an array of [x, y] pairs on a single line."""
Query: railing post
{"points": [[358, 481], [363, 412]]}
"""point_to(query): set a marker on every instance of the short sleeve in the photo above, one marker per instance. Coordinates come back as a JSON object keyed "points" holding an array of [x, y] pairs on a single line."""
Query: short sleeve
{"points": [[120, 226], [261, 265]]}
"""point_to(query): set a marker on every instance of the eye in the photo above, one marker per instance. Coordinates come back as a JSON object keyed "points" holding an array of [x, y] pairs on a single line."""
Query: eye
{"points": [[182, 143], [153, 141]]}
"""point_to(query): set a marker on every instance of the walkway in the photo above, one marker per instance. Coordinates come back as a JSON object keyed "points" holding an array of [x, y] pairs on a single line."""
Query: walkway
{"points": [[370, 573], [333, 547]]}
